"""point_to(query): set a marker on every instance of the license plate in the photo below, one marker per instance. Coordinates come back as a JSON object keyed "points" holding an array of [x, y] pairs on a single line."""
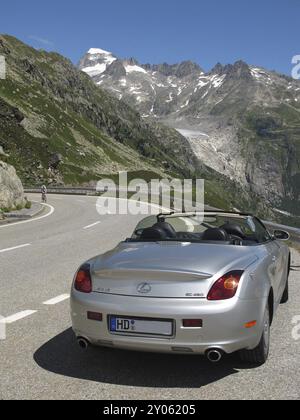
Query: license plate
{"points": [[143, 326]]}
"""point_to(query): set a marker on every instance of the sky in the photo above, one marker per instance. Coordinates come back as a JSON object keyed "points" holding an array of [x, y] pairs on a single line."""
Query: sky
{"points": [[260, 32]]}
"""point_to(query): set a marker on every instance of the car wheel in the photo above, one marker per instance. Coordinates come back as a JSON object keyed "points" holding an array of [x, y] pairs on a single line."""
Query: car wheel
{"points": [[285, 296], [260, 354]]}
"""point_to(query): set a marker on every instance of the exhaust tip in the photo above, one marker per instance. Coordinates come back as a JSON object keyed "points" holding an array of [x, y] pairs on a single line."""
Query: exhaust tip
{"points": [[83, 343], [214, 355]]}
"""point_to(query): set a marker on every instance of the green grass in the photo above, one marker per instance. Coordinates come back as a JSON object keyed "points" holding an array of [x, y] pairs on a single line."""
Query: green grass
{"points": [[6, 209], [28, 205]]}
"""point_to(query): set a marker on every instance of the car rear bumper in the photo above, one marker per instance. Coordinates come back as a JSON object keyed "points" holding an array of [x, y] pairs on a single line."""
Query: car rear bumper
{"points": [[223, 323]]}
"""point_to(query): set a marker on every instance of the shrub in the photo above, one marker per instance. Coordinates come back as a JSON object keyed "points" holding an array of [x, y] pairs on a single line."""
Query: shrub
{"points": [[28, 204]]}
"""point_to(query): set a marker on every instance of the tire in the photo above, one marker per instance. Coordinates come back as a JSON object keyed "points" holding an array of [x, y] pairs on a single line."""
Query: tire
{"points": [[260, 354], [285, 296]]}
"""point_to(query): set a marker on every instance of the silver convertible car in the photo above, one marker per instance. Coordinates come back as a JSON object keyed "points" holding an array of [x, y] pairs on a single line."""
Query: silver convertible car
{"points": [[188, 283]]}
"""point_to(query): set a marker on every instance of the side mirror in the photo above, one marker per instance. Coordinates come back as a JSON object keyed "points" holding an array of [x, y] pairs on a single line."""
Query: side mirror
{"points": [[281, 235]]}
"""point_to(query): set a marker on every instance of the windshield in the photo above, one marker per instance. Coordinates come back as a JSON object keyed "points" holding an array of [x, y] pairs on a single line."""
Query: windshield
{"points": [[229, 228]]}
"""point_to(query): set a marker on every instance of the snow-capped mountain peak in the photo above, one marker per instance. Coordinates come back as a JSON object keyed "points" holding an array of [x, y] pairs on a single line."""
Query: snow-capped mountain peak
{"points": [[96, 61], [153, 89], [183, 93]]}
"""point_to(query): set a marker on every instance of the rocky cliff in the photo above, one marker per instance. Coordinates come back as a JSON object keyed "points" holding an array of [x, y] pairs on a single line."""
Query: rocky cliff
{"points": [[11, 189]]}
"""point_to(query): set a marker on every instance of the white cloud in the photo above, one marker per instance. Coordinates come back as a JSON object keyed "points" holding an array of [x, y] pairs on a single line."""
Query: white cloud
{"points": [[42, 41]]}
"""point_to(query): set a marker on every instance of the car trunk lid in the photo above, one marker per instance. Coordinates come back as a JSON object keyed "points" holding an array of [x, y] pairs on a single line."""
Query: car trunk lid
{"points": [[161, 270]]}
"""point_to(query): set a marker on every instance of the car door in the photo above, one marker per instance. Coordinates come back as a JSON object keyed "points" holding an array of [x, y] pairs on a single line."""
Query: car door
{"points": [[281, 267], [275, 259], [276, 268]]}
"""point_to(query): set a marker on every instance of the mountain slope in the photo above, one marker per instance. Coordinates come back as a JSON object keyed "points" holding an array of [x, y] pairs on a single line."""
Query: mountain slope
{"points": [[242, 121], [57, 127]]}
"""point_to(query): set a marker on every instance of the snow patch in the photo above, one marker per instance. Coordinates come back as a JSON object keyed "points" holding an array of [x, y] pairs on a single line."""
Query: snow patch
{"points": [[205, 94], [170, 98], [94, 51], [201, 83], [95, 70], [217, 81], [260, 75], [186, 104], [135, 69], [192, 134]]}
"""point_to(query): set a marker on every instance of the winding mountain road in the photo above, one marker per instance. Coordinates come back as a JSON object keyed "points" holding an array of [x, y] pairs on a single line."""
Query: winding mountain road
{"points": [[39, 359]]}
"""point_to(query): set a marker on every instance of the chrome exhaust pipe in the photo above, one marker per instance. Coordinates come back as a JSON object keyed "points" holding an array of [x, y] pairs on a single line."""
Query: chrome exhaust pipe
{"points": [[83, 343], [214, 355]]}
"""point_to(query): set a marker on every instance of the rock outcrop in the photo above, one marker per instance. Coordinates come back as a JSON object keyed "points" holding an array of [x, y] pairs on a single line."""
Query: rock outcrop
{"points": [[11, 189]]}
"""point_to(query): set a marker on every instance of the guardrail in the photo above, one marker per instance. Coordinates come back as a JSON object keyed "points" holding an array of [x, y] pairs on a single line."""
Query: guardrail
{"points": [[63, 190]]}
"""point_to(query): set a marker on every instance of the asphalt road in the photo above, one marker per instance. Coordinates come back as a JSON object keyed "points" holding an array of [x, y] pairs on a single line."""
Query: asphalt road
{"points": [[39, 359]]}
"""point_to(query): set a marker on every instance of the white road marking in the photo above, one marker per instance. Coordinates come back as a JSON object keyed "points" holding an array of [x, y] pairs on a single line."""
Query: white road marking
{"points": [[90, 226], [57, 299], [52, 210], [13, 248], [16, 317]]}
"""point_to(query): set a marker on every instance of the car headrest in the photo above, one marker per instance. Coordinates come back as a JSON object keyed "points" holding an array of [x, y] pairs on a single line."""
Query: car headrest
{"points": [[233, 229], [215, 234], [153, 234], [167, 228]]}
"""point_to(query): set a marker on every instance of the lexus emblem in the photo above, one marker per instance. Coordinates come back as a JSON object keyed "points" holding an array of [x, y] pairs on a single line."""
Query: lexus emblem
{"points": [[144, 288]]}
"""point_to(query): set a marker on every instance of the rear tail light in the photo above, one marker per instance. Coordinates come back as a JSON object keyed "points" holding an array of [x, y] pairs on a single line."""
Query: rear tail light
{"points": [[250, 325], [226, 287], [83, 281]]}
